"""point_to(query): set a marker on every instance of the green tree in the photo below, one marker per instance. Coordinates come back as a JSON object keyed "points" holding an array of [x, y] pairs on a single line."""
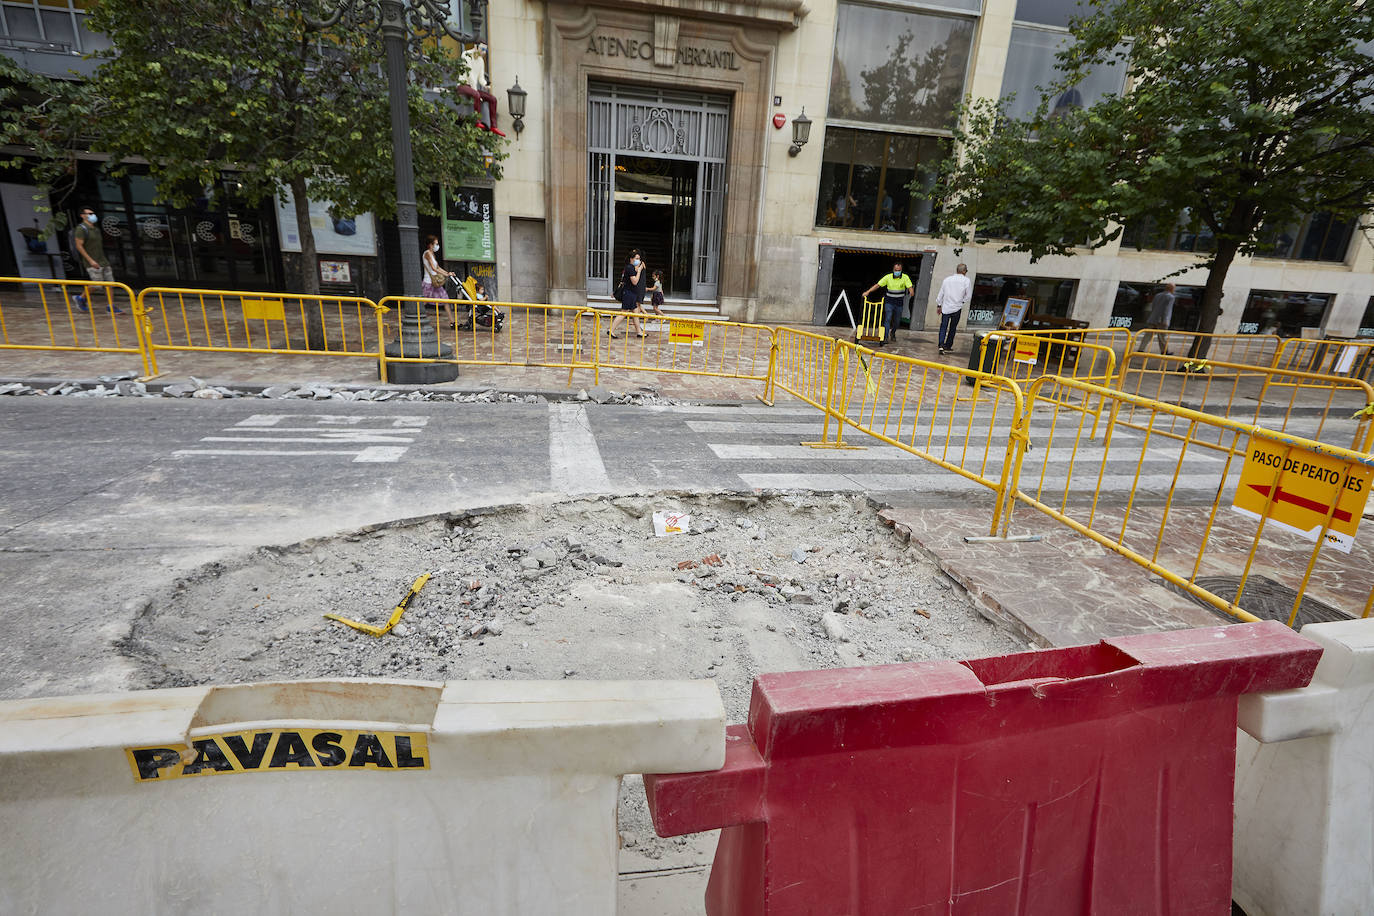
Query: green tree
{"points": [[196, 87], [1244, 113]]}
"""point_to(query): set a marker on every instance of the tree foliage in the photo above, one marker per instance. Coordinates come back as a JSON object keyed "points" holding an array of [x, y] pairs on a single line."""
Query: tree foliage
{"points": [[192, 88], [1243, 114]]}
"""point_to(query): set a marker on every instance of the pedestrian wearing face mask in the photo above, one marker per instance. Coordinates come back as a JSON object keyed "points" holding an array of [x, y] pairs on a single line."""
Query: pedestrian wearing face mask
{"points": [[898, 286], [432, 282], [633, 282], [90, 253]]}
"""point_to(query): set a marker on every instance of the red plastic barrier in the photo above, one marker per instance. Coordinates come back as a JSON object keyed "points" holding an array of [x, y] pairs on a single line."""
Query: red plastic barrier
{"points": [[1094, 779]]}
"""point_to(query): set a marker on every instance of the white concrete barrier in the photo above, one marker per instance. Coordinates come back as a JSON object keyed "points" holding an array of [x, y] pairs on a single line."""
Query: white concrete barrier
{"points": [[483, 797], [1304, 840]]}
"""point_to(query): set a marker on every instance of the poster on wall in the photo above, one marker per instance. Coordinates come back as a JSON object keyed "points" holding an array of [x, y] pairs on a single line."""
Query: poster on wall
{"points": [[356, 235], [469, 233], [26, 209], [486, 275]]}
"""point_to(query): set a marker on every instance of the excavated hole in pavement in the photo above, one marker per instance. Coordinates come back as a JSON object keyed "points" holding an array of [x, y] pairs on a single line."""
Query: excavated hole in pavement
{"points": [[578, 589]]}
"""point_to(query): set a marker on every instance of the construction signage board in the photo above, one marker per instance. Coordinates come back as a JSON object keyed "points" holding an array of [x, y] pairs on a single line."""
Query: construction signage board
{"points": [[686, 331], [1027, 350], [1307, 483]]}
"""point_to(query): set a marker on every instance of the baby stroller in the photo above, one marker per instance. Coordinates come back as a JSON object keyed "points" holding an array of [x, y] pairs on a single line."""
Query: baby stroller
{"points": [[480, 315]]}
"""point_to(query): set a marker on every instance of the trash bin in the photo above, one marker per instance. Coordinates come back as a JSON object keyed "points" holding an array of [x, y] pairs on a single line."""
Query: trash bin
{"points": [[984, 361]]}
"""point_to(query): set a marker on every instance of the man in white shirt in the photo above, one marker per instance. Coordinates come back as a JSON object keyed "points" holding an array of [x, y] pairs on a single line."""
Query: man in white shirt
{"points": [[954, 294]]}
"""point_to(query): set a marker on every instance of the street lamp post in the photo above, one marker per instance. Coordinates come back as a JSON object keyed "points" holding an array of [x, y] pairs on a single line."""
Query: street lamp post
{"points": [[400, 21]]}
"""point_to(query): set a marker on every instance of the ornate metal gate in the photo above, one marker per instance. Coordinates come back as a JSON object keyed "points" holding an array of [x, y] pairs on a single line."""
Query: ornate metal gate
{"points": [[644, 122]]}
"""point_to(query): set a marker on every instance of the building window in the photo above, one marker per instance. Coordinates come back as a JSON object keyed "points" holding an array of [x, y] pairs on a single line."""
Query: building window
{"points": [[1132, 306], [1284, 314], [1367, 322], [1182, 236], [865, 176], [898, 68], [1048, 296], [896, 78], [1030, 65], [1049, 12], [49, 25], [1317, 237]]}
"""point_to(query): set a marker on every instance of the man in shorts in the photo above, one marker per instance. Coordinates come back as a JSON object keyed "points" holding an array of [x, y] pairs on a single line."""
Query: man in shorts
{"points": [[90, 254]]}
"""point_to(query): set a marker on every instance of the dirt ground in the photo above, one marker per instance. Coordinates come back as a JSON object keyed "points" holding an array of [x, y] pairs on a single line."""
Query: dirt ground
{"points": [[579, 589]]}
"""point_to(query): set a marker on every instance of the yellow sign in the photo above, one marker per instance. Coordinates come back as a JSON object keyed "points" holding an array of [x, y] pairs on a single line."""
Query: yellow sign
{"points": [[263, 310], [280, 751], [1296, 488], [686, 331], [1027, 350]]}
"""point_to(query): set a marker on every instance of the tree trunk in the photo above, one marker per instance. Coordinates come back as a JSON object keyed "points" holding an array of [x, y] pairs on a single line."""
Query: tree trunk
{"points": [[1211, 297], [310, 272]]}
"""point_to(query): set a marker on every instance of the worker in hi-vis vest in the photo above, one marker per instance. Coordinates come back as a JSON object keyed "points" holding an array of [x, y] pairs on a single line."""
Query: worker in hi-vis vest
{"points": [[898, 286]]}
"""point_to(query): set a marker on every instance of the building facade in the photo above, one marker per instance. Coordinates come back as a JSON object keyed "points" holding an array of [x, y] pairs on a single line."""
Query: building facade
{"points": [[667, 127]]}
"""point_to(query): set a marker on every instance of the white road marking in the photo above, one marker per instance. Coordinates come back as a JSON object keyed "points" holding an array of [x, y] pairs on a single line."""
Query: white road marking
{"points": [[326, 436], [575, 464], [381, 440], [725, 427]]}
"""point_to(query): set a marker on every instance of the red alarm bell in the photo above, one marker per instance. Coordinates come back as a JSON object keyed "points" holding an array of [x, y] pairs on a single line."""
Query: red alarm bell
{"points": [[779, 120]]}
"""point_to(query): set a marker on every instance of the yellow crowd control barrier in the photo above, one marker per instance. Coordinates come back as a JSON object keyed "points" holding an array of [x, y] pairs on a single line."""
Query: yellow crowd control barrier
{"points": [[1322, 407], [802, 367], [1347, 358], [918, 406], [1244, 349], [228, 321], [492, 333], [70, 315], [686, 346], [1152, 495]]}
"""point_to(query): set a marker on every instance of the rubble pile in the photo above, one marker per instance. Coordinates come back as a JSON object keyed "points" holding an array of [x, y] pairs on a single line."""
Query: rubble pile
{"points": [[125, 385], [578, 589]]}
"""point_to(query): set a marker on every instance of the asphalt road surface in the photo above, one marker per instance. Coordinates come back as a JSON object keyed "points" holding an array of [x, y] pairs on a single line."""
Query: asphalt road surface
{"points": [[102, 501]]}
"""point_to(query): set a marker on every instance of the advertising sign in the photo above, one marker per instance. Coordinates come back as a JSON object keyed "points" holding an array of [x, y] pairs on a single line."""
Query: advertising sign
{"points": [[468, 230], [356, 235]]}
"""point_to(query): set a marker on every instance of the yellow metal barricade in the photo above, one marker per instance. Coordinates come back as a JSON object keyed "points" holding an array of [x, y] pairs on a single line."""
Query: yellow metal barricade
{"points": [[1321, 407], [686, 346], [1166, 504], [70, 315], [226, 321], [492, 333], [1346, 358], [1241, 349], [915, 405], [871, 323]]}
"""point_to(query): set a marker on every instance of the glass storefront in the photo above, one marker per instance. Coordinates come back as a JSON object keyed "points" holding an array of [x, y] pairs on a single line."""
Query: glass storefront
{"points": [[1367, 322], [1284, 314], [1131, 308], [219, 243], [1048, 296]]}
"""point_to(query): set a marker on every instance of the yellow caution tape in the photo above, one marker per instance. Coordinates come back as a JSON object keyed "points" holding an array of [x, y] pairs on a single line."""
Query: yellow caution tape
{"points": [[371, 630], [1198, 366], [870, 386], [1363, 413]]}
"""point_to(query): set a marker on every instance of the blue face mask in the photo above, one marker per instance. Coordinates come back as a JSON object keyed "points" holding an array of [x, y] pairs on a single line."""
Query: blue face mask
{"points": [[896, 273], [91, 217]]}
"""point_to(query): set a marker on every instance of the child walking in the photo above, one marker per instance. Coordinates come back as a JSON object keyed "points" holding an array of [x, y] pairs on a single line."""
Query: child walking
{"points": [[656, 294]]}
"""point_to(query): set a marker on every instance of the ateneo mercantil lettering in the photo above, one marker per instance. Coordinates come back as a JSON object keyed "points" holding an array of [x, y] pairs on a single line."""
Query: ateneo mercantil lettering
{"points": [[636, 49], [284, 750]]}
